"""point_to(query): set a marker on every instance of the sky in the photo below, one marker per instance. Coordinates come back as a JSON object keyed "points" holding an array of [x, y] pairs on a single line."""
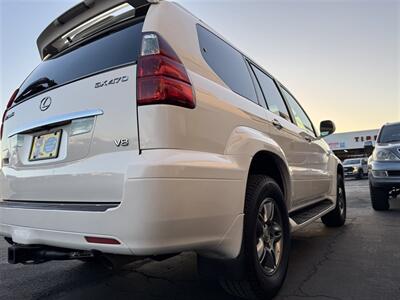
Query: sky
{"points": [[341, 59]]}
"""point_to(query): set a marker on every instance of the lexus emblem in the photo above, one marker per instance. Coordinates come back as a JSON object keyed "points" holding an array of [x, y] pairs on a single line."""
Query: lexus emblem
{"points": [[45, 103]]}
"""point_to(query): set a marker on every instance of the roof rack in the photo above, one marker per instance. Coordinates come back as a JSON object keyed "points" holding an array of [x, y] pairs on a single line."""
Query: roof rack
{"points": [[85, 19]]}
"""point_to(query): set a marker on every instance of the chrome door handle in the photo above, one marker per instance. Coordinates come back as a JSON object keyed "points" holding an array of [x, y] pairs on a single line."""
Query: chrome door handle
{"points": [[308, 139], [277, 124]]}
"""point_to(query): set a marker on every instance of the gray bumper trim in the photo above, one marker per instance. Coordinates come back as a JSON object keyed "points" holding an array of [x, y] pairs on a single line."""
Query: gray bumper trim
{"points": [[49, 205]]}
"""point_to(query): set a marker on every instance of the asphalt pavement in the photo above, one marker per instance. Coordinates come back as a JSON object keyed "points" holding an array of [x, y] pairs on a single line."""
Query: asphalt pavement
{"points": [[358, 261]]}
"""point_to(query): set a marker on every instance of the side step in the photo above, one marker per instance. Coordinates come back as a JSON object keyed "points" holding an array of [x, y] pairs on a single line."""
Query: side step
{"points": [[307, 213]]}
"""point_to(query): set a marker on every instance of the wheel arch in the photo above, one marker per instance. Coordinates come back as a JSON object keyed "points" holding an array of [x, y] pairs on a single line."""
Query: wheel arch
{"points": [[266, 157], [340, 170], [270, 164]]}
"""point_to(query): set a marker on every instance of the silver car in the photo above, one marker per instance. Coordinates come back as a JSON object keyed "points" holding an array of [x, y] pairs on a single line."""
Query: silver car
{"points": [[384, 166]]}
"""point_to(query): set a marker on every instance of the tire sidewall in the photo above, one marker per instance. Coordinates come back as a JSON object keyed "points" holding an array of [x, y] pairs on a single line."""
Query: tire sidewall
{"points": [[379, 198], [267, 283], [341, 184]]}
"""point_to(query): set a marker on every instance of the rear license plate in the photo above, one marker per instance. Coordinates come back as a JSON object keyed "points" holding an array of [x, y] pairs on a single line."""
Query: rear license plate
{"points": [[45, 146]]}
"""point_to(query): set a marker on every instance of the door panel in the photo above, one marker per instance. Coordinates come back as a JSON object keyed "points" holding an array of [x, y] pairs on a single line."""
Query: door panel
{"points": [[317, 150], [296, 149], [287, 135]]}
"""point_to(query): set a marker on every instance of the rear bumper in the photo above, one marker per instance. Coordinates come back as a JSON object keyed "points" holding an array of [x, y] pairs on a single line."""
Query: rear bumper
{"points": [[172, 201]]}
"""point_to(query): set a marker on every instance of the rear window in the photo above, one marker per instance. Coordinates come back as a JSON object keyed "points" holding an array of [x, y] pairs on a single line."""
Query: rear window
{"points": [[389, 134], [228, 63], [110, 50]]}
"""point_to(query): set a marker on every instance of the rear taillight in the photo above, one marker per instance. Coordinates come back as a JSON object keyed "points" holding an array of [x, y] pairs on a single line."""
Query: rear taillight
{"points": [[9, 104], [161, 76]]}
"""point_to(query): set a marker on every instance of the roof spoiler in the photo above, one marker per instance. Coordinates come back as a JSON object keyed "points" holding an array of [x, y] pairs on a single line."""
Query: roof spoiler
{"points": [[74, 24]]}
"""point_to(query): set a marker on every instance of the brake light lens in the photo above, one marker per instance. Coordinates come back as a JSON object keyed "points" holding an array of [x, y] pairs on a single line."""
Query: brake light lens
{"points": [[9, 104], [161, 76], [156, 65]]}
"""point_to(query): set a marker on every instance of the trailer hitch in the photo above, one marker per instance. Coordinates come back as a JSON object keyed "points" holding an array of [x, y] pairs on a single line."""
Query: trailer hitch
{"points": [[36, 254]]}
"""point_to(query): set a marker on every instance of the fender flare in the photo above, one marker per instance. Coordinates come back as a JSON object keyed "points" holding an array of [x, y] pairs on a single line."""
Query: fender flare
{"points": [[246, 141]]}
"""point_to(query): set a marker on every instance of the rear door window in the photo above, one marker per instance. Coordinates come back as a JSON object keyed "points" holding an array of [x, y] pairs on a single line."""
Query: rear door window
{"points": [[110, 50], [228, 63], [272, 96]]}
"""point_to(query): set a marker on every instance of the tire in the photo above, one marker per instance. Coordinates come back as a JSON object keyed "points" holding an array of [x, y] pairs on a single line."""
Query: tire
{"points": [[265, 269], [379, 198], [360, 174], [337, 217]]}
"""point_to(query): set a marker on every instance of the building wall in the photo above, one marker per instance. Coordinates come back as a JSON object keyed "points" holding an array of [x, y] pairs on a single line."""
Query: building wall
{"points": [[351, 144]]}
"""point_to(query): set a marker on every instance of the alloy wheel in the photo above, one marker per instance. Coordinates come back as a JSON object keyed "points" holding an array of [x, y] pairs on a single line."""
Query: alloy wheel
{"points": [[269, 236]]}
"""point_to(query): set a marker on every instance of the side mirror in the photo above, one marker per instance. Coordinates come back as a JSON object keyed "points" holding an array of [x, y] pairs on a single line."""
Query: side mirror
{"points": [[368, 148], [326, 128]]}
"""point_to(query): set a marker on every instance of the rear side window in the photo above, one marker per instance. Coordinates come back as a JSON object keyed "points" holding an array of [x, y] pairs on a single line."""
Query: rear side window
{"points": [[110, 50], [228, 63], [271, 93]]}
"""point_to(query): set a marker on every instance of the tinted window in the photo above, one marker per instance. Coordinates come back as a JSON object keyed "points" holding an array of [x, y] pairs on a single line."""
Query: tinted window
{"points": [[228, 63], [389, 133], [271, 93], [259, 93], [300, 117], [108, 51], [351, 162]]}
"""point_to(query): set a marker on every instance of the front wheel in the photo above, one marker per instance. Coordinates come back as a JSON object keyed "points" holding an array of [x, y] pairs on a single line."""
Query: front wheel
{"points": [[266, 241], [379, 198], [337, 217]]}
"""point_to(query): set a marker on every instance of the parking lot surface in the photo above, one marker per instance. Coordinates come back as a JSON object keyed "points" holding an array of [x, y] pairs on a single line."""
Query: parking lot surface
{"points": [[358, 261]]}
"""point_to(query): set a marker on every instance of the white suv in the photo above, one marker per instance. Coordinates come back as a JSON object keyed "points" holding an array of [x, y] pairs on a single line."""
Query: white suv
{"points": [[144, 133], [355, 167]]}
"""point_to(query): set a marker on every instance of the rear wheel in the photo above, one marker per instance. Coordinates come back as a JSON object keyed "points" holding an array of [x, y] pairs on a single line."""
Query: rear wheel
{"points": [[266, 242], [379, 198], [337, 217]]}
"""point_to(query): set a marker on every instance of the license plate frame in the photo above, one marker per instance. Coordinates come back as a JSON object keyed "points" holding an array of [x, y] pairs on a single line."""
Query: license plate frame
{"points": [[45, 146]]}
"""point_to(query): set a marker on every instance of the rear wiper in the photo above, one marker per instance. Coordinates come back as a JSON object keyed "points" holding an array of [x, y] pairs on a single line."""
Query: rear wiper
{"points": [[36, 87]]}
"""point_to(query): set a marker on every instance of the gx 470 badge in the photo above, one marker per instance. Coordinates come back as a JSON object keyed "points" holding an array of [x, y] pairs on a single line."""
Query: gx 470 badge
{"points": [[111, 81]]}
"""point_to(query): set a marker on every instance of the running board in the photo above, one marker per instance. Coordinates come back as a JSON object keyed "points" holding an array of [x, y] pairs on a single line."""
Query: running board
{"points": [[309, 213]]}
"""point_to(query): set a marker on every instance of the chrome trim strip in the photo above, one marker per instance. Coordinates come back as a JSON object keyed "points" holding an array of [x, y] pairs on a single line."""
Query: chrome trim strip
{"points": [[57, 119], [108, 16], [71, 206]]}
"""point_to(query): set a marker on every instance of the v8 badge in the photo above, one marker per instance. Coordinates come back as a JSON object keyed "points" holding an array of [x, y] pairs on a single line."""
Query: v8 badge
{"points": [[121, 142]]}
